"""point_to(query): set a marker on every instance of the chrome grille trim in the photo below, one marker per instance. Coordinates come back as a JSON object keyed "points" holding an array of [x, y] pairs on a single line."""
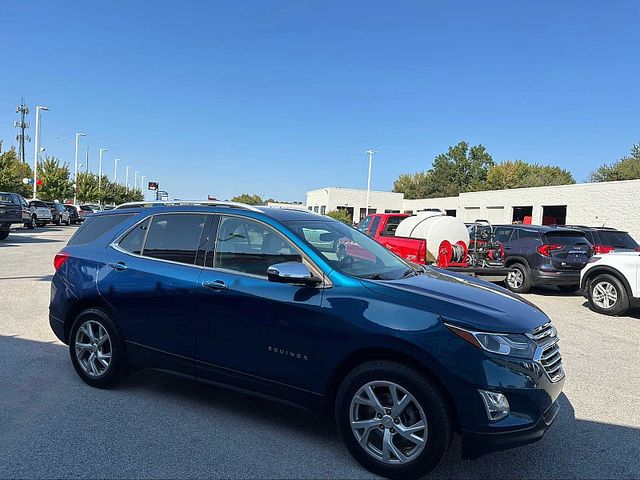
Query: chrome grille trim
{"points": [[548, 352]]}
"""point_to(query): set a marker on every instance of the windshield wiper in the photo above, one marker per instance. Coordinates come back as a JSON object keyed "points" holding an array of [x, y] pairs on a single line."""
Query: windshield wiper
{"points": [[410, 272], [377, 276]]}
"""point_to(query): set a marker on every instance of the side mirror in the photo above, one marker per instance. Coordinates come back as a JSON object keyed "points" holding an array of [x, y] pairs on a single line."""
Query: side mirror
{"points": [[295, 273]]}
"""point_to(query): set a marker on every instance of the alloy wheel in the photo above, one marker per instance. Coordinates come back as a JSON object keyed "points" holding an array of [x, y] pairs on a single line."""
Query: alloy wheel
{"points": [[515, 278], [388, 422], [604, 295], [93, 348]]}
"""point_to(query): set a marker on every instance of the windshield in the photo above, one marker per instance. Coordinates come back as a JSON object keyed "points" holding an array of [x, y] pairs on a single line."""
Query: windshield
{"points": [[349, 250]]}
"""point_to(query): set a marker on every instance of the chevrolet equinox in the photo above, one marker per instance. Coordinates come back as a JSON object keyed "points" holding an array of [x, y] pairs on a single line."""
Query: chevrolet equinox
{"points": [[258, 299]]}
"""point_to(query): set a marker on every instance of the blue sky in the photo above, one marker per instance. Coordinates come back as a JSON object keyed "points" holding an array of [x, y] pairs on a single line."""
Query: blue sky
{"points": [[280, 97]]}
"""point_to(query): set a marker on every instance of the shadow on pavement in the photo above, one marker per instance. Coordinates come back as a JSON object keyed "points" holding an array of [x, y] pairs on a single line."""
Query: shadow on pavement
{"points": [[41, 278], [269, 439]]}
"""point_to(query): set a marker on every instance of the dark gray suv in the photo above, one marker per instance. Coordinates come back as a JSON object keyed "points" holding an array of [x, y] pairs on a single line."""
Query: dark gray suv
{"points": [[541, 255]]}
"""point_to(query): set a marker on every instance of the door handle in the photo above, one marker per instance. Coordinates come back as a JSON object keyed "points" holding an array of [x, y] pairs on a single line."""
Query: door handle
{"points": [[119, 266], [216, 285]]}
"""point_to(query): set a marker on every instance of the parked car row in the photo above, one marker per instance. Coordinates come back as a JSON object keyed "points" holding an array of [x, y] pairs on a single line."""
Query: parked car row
{"points": [[16, 210]]}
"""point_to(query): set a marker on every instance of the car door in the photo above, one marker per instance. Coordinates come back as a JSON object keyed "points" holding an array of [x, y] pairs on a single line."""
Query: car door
{"points": [[149, 278], [254, 333]]}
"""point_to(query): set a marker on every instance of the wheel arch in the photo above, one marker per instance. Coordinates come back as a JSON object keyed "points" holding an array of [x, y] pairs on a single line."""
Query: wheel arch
{"points": [[365, 355], [605, 269], [513, 260], [80, 306]]}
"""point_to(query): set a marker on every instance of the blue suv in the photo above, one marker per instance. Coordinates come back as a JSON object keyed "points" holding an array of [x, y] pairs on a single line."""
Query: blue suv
{"points": [[258, 299]]}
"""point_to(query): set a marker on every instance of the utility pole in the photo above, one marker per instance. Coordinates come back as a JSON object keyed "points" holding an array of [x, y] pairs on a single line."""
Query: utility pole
{"points": [[370, 152], [142, 185], [115, 170], [126, 177], [102, 150], [22, 125], [86, 160], [36, 151], [75, 169]]}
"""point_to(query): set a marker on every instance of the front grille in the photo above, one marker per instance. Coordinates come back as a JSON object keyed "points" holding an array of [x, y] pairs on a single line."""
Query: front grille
{"points": [[548, 354]]}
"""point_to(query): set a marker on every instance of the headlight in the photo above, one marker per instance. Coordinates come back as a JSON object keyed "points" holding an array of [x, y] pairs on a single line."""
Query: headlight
{"points": [[512, 344]]}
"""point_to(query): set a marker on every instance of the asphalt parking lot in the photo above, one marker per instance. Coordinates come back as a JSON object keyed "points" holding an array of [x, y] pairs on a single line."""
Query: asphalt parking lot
{"points": [[160, 426]]}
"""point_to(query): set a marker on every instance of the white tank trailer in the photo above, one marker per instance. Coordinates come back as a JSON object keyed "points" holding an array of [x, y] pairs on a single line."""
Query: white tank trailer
{"points": [[434, 227]]}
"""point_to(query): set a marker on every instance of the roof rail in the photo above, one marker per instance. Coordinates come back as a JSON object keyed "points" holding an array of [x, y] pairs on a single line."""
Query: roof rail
{"points": [[203, 203]]}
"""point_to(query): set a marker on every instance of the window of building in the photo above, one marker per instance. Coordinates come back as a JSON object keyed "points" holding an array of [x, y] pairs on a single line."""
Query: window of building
{"points": [[175, 237], [251, 247], [523, 215], [315, 209], [450, 213], [363, 212], [554, 215], [392, 211], [323, 210], [349, 211]]}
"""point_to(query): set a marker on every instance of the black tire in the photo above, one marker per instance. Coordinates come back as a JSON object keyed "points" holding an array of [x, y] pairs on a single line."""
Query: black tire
{"points": [[521, 282], [32, 224], [428, 395], [568, 288], [4, 234], [117, 369], [58, 221], [621, 304]]}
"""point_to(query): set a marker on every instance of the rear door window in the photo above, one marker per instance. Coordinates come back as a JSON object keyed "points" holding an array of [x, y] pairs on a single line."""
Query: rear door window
{"points": [[175, 237], [94, 227], [134, 240], [503, 234], [615, 239]]}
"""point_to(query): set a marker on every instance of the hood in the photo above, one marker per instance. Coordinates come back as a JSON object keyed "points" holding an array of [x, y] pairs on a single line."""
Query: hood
{"points": [[465, 301]]}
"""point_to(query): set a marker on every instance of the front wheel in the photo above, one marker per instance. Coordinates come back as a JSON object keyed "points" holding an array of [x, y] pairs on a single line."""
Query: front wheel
{"points": [[393, 419], [607, 295], [518, 280], [97, 349]]}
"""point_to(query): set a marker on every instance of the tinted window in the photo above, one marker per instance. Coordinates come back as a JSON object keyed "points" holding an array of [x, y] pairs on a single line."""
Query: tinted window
{"points": [[251, 247], [5, 198], [617, 239], [85, 208], [364, 224], [174, 237], [502, 234], [522, 234], [95, 227], [38, 204], [392, 226], [132, 242], [566, 238], [374, 226]]}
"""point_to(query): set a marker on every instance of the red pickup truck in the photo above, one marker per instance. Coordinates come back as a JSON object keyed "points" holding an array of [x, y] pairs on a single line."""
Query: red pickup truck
{"points": [[382, 228]]}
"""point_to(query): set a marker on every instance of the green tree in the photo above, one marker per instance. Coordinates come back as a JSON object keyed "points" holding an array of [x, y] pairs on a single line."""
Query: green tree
{"points": [[87, 187], [627, 168], [461, 169], [12, 171], [248, 199], [340, 215], [56, 180], [520, 174]]}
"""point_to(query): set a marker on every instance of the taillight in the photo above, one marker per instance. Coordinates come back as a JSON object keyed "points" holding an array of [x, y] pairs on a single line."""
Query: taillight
{"points": [[603, 249], [59, 260], [547, 248], [637, 249], [422, 253]]}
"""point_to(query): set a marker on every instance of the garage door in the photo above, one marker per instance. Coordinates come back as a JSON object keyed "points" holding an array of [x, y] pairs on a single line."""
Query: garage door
{"points": [[495, 214], [471, 214]]}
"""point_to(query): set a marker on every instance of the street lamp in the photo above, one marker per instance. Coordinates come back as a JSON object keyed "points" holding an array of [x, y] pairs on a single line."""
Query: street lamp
{"points": [[37, 148], [115, 170], [102, 150], [126, 177], [135, 181], [370, 152], [142, 185], [75, 168]]}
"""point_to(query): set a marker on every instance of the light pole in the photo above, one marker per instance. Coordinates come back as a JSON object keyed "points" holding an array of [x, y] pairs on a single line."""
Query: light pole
{"points": [[115, 170], [75, 168], [102, 150], [37, 148], [126, 177], [370, 152], [135, 181], [142, 185]]}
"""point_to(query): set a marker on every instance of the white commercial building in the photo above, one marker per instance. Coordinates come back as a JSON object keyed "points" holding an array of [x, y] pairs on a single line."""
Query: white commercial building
{"points": [[612, 204]]}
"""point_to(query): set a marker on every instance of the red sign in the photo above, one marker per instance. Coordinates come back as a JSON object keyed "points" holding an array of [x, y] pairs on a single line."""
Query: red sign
{"points": [[153, 185]]}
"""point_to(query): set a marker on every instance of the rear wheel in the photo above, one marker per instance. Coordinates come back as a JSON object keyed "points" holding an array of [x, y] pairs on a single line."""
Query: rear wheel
{"points": [[4, 234], [518, 280], [97, 349], [394, 420], [607, 295]]}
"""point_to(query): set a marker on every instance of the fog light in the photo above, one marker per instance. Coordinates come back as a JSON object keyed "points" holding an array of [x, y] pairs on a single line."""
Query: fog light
{"points": [[496, 405]]}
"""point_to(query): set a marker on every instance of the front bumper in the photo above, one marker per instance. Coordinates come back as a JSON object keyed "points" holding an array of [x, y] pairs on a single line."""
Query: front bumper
{"points": [[476, 444]]}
